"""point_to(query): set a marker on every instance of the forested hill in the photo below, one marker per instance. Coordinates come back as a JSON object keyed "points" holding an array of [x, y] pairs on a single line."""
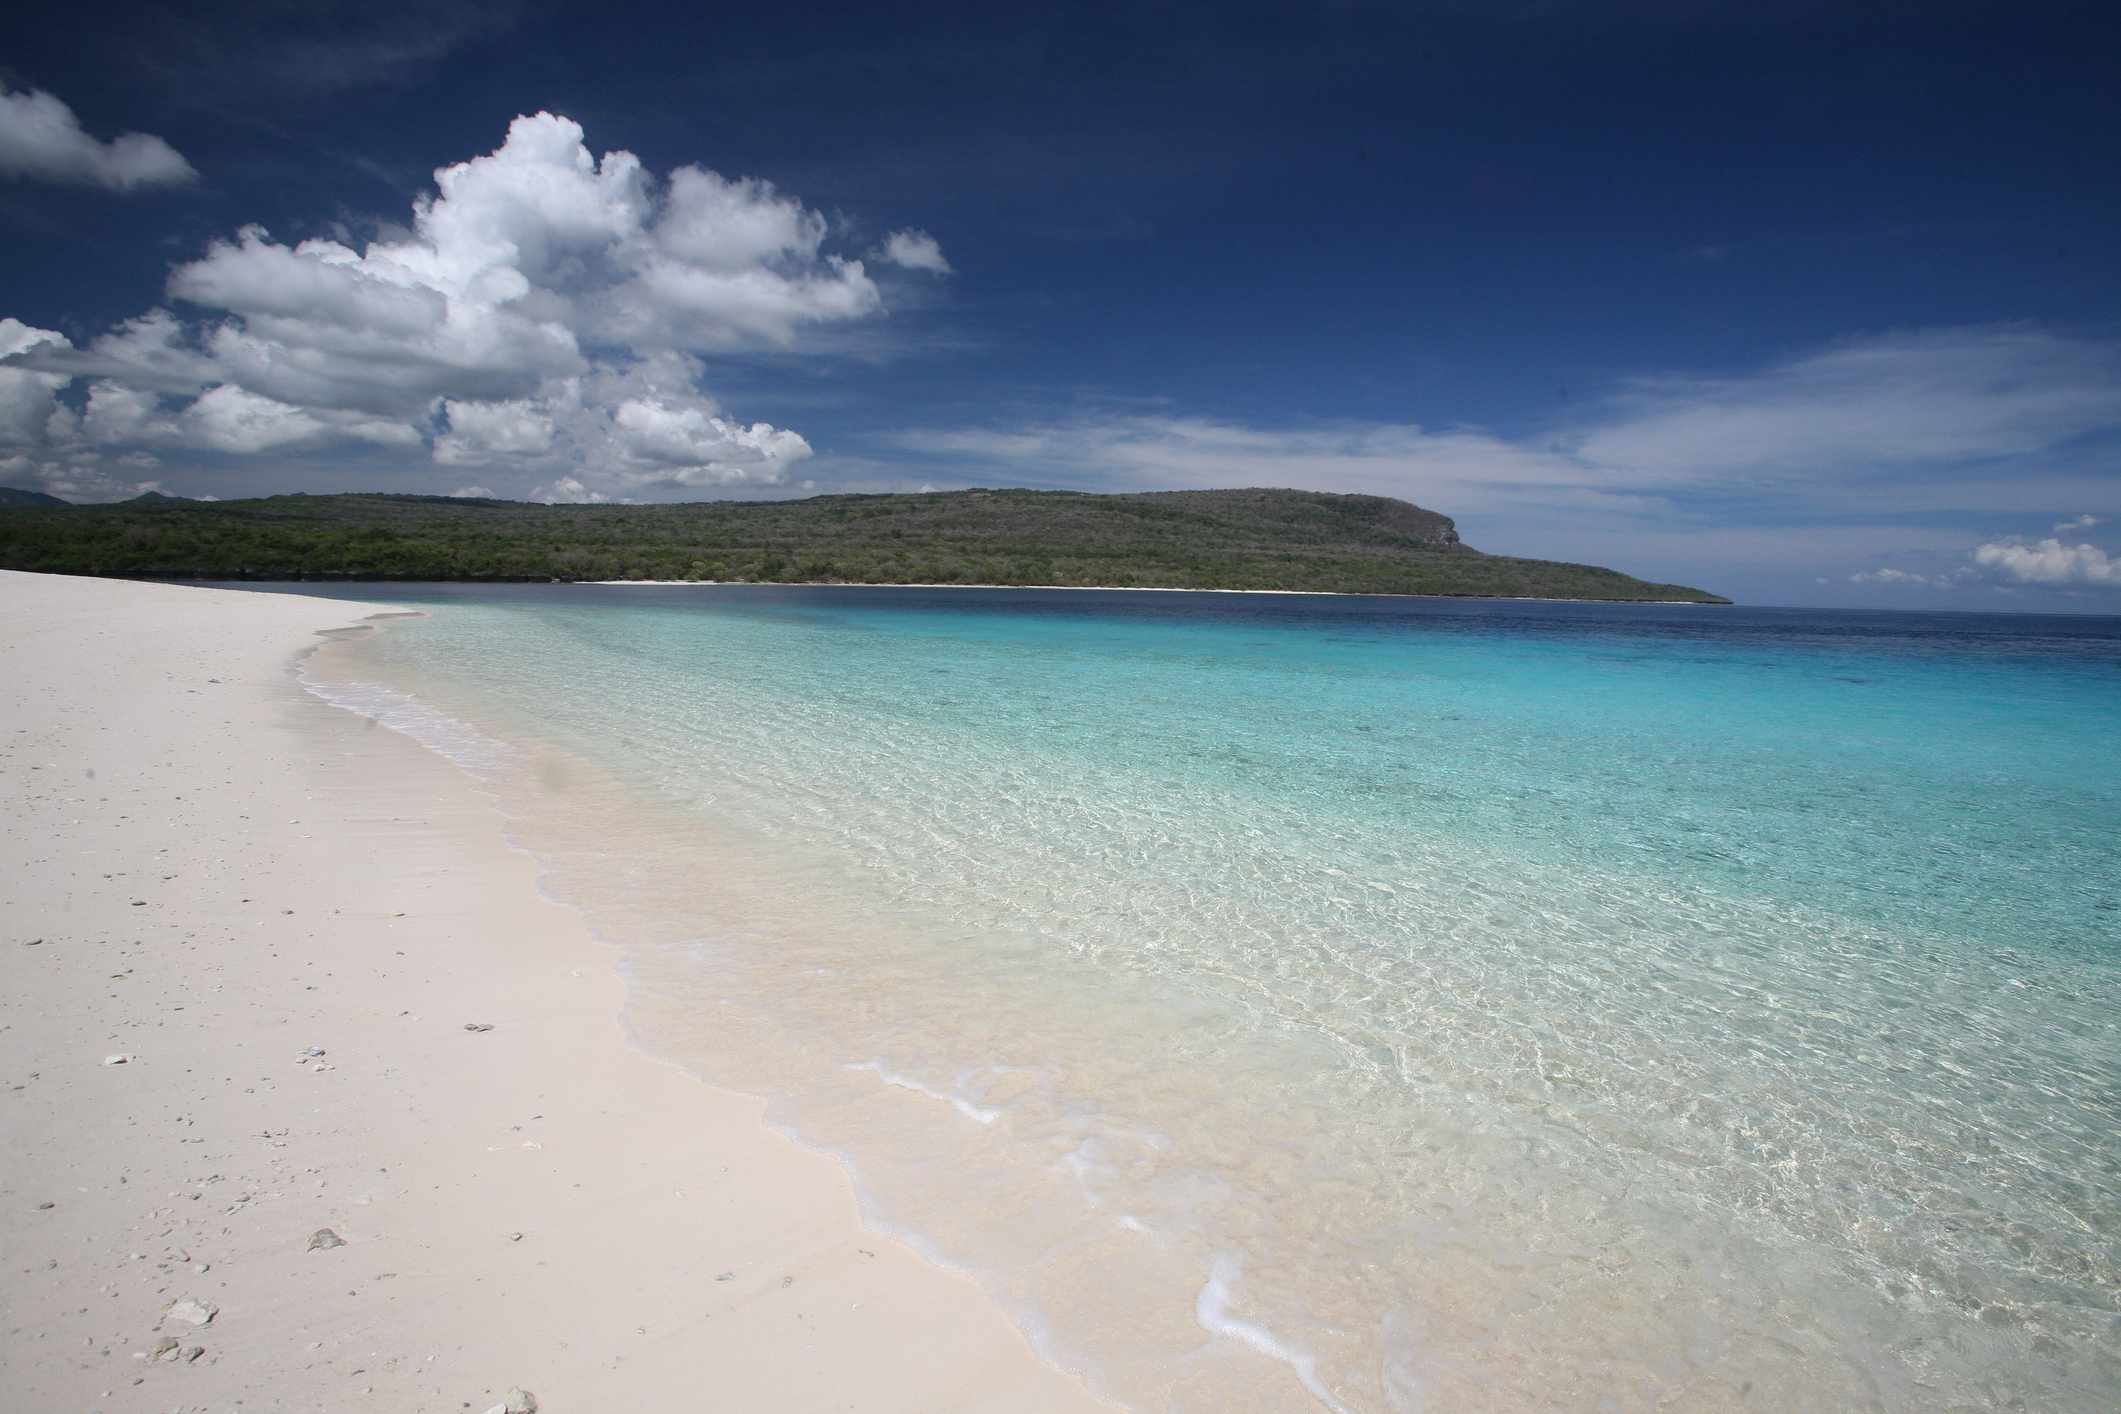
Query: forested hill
{"points": [[1250, 539]]}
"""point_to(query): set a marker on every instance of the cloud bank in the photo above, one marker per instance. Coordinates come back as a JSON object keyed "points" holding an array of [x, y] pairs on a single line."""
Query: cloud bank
{"points": [[544, 316], [41, 139]]}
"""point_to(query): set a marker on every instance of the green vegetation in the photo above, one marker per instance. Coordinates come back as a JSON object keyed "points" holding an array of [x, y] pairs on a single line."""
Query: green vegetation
{"points": [[1253, 539]]}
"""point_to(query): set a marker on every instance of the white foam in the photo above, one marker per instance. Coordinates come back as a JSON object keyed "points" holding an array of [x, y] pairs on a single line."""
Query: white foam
{"points": [[458, 742], [963, 1106], [1090, 1168], [1212, 1309], [868, 1205]]}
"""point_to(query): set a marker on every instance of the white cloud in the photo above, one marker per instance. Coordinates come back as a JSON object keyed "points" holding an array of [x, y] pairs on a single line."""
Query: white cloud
{"points": [[2016, 561], [151, 351], [230, 419], [542, 314], [29, 400], [718, 224], [2049, 562], [1864, 406], [118, 414], [1893, 576], [40, 138], [1939, 420], [1460, 469], [224, 418], [914, 250], [488, 432], [469, 493], [317, 280], [568, 491], [685, 445], [82, 477], [1949, 420]]}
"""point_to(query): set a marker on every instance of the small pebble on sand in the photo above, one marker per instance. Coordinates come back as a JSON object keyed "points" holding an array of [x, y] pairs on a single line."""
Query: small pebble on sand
{"points": [[190, 1312]]}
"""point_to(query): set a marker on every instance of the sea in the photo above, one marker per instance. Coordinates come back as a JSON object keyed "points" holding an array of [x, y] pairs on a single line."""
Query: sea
{"points": [[1380, 1004]]}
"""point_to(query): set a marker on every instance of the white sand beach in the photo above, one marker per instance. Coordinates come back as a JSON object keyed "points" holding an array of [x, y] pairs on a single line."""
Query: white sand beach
{"points": [[245, 939]]}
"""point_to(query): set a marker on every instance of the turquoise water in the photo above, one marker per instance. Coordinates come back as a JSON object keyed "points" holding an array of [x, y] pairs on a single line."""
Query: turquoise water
{"points": [[1374, 1004]]}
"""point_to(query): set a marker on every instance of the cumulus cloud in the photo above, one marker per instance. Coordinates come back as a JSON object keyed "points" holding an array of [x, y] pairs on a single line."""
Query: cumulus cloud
{"points": [[83, 479], [40, 138], [2013, 561], [718, 224], [29, 400], [2049, 562], [544, 314], [568, 491], [487, 432], [914, 250], [688, 446], [228, 418], [116, 414], [471, 493], [224, 418]]}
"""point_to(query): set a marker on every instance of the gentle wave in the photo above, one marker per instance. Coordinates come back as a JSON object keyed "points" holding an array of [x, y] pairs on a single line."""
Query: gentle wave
{"points": [[455, 741], [1212, 1309]]}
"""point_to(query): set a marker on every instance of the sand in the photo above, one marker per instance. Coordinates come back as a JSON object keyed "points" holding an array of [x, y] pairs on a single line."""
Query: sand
{"points": [[284, 920]]}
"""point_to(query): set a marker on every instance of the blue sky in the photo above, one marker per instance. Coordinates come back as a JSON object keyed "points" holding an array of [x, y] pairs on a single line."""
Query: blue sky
{"points": [[1808, 303]]}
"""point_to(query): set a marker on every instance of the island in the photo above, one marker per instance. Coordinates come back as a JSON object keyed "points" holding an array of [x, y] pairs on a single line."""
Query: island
{"points": [[1257, 539]]}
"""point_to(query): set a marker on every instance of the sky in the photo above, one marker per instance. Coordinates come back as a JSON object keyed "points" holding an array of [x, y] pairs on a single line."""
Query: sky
{"points": [[1806, 303]]}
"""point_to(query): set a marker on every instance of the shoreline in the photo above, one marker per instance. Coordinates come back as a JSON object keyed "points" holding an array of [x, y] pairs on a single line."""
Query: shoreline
{"points": [[1108, 589], [288, 923], [209, 581]]}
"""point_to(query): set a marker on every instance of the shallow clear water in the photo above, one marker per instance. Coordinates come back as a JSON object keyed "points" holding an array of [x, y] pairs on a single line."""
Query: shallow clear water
{"points": [[1376, 1004]]}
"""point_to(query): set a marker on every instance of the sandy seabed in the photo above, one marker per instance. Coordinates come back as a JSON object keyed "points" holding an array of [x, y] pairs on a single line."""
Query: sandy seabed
{"points": [[243, 937]]}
